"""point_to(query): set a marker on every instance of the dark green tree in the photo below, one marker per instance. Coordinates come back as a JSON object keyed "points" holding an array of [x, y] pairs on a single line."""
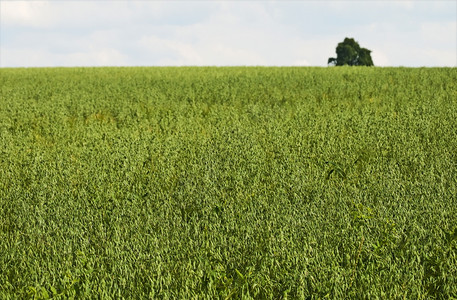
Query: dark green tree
{"points": [[350, 53]]}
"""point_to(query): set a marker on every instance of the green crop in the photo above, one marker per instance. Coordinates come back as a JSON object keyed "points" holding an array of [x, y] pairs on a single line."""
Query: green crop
{"points": [[234, 182]]}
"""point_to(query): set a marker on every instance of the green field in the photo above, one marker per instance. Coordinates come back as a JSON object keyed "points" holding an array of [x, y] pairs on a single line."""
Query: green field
{"points": [[234, 182]]}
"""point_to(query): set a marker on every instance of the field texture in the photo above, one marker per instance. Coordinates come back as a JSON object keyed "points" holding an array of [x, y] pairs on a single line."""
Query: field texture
{"points": [[207, 183]]}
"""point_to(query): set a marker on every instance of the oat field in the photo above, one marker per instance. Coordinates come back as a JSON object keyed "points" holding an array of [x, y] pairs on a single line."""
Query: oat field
{"points": [[228, 183]]}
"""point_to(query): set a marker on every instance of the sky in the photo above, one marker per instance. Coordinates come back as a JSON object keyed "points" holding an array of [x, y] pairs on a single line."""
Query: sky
{"points": [[224, 33]]}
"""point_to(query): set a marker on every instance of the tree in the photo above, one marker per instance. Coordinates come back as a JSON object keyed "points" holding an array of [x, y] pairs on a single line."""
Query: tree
{"points": [[349, 53]]}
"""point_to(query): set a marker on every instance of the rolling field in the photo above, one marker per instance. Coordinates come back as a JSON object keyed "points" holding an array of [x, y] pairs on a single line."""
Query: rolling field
{"points": [[234, 182]]}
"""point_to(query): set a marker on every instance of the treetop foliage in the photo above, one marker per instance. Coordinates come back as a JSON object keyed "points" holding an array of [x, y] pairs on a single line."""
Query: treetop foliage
{"points": [[350, 53]]}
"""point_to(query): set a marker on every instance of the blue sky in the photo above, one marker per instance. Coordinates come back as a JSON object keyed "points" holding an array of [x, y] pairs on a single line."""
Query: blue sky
{"points": [[222, 33]]}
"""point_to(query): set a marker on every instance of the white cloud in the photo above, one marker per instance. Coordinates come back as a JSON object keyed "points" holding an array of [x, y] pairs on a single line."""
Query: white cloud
{"points": [[39, 57], [439, 32], [300, 63], [380, 59], [171, 52], [23, 13]]}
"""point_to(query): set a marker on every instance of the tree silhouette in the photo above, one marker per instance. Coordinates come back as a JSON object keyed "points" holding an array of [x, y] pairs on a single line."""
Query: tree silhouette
{"points": [[350, 53]]}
